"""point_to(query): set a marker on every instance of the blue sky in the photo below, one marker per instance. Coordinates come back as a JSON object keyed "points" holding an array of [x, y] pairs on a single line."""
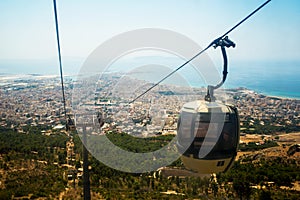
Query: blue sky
{"points": [[27, 34]]}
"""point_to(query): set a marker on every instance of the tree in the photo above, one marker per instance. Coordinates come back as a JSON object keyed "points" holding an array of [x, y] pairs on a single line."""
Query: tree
{"points": [[264, 195], [215, 188], [242, 188]]}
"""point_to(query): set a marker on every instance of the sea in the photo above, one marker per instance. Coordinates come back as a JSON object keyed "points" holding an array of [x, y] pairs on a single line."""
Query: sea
{"points": [[272, 78], [281, 79]]}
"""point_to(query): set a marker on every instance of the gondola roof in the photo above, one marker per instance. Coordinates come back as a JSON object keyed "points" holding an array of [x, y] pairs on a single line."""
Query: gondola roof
{"points": [[202, 106]]}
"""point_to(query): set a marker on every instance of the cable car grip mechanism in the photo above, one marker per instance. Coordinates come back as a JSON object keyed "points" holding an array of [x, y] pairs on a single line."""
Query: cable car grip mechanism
{"points": [[222, 42]]}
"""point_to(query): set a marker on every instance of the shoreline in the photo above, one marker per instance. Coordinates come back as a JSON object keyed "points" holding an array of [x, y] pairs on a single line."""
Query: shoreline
{"points": [[262, 93], [9, 77]]}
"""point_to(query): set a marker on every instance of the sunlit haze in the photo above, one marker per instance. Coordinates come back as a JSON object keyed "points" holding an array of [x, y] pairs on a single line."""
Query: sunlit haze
{"points": [[27, 35]]}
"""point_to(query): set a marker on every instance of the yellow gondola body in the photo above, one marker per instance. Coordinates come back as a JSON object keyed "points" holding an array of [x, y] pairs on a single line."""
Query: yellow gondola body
{"points": [[208, 136]]}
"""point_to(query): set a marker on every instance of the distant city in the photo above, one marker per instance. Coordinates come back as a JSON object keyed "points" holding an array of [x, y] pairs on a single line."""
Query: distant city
{"points": [[37, 100]]}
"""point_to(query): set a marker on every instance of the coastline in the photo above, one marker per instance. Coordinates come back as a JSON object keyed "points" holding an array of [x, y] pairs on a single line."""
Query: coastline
{"points": [[277, 96], [11, 77], [270, 95]]}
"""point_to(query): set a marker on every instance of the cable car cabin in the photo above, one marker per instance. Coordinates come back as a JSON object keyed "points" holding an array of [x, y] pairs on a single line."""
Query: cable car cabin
{"points": [[208, 136]]}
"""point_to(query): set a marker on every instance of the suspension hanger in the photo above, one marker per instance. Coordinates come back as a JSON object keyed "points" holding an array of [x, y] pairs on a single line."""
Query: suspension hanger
{"points": [[222, 43]]}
